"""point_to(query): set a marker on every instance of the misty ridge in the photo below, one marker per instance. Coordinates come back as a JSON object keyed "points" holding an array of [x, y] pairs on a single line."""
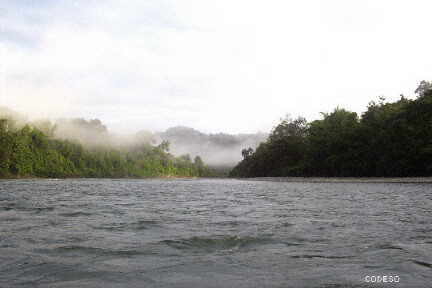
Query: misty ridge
{"points": [[217, 150]]}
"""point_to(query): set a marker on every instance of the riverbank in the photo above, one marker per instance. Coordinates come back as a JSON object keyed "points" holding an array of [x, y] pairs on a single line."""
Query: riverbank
{"points": [[345, 180], [76, 177]]}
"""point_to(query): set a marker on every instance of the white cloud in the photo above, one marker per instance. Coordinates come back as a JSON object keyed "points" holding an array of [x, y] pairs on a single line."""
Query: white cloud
{"points": [[223, 65]]}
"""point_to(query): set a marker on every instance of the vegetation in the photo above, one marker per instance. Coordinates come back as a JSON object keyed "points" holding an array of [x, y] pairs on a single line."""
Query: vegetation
{"points": [[389, 139], [27, 151]]}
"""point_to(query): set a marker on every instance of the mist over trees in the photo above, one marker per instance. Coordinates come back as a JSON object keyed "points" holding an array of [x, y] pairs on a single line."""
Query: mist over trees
{"points": [[84, 148], [46, 147], [389, 139], [219, 149], [216, 150]]}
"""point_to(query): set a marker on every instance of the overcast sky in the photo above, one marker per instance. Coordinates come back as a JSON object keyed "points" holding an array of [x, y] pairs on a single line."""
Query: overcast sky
{"points": [[215, 65]]}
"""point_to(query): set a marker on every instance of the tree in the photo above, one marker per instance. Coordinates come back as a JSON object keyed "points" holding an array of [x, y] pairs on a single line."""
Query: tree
{"points": [[5, 147], [246, 153], [423, 88], [164, 146]]}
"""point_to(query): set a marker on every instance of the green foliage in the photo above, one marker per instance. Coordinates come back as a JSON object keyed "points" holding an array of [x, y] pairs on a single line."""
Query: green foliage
{"points": [[28, 151], [332, 144], [282, 153], [390, 139]]}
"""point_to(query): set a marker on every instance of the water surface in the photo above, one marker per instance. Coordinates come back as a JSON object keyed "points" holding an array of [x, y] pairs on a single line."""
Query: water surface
{"points": [[213, 233]]}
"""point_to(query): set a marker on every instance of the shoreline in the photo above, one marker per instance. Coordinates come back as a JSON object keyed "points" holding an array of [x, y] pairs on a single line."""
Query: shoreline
{"points": [[107, 178], [400, 180], [344, 179]]}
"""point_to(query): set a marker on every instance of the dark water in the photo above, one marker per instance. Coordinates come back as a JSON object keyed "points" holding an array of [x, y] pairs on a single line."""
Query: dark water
{"points": [[213, 233]]}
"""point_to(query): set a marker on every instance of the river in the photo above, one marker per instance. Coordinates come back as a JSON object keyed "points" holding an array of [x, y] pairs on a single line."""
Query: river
{"points": [[214, 233]]}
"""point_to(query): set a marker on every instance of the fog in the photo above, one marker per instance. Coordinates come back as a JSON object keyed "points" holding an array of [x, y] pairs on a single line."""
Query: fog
{"points": [[217, 149]]}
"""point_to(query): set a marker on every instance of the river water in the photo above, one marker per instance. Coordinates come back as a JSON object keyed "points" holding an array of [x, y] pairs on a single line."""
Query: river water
{"points": [[214, 233]]}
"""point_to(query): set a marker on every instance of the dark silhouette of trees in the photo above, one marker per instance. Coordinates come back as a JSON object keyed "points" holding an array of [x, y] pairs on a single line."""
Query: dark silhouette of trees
{"points": [[389, 139], [247, 152]]}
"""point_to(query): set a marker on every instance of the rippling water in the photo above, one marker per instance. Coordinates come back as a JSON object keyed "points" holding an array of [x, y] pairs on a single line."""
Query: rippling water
{"points": [[213, 233]]}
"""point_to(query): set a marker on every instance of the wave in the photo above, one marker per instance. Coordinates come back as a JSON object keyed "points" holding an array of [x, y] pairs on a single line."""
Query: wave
{"points": [[307, 256], [126, 226], [221, 243], [422, 263], [76, 250], [75, 214]]}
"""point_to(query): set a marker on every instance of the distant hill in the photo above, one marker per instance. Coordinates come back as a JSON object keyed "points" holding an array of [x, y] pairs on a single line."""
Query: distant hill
{"points": [[220, 149]]}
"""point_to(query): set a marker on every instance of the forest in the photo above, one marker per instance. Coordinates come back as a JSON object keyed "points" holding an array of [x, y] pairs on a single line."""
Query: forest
{"points": [[32, 150], [390, 139]]}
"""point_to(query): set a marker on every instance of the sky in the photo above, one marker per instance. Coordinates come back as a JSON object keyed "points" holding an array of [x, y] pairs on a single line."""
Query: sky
{"points": [[232, 66]]}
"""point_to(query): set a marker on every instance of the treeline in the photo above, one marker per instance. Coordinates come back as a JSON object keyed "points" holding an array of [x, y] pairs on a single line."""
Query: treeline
{"points": [[389, 139], [27, 151]]}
